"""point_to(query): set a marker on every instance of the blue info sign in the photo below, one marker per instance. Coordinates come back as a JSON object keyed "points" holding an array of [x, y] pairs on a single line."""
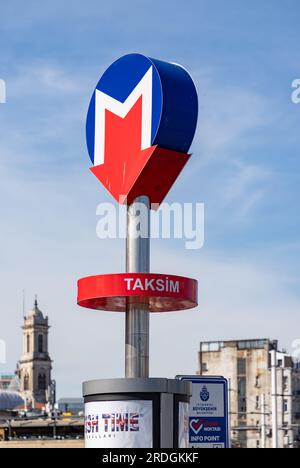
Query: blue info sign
{"points": [[208, 413]]}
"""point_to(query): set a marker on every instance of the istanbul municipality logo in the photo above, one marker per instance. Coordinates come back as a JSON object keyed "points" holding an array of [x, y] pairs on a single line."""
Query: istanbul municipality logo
{"points": [[204, 394]]}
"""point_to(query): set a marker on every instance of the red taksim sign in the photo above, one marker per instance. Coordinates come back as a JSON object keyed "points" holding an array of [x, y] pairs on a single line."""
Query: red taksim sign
{"points": [[164, 293]]}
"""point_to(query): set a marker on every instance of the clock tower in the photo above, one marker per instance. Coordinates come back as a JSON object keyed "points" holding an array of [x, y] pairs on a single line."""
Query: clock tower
{"points": [[34, 367]]}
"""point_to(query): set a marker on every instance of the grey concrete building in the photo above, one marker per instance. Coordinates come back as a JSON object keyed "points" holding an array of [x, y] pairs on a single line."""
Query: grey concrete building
{"points": [[247, 366]]}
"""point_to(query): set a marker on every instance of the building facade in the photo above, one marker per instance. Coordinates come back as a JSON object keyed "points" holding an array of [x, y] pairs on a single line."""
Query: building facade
{"points": [[35, 365], [6, 380], [247, 366], [73, 406]]}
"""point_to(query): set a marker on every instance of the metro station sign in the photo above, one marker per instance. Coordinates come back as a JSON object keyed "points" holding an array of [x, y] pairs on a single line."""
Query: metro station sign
{"points": [[140, 125]]}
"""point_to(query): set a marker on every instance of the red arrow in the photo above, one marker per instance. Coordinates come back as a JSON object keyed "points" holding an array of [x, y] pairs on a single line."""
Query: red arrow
{"points": [[128, 171]]}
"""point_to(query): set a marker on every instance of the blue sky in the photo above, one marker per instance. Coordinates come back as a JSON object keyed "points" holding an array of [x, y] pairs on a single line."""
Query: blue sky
{"points": [[243, 57]]}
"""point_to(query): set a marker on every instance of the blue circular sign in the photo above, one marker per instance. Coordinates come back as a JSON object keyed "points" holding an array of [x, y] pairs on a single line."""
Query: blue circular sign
{"points": [[168, 97]]}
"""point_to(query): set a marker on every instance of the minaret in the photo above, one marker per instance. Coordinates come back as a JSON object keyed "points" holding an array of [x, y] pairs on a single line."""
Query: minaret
{"points": [[34, 367]]}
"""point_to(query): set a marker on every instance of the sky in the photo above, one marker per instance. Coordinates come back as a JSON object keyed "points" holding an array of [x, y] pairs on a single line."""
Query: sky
{"points": [[243, 57]]}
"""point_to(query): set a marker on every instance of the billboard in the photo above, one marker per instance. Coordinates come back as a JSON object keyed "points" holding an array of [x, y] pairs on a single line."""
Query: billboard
{"points": [[119, 424]]}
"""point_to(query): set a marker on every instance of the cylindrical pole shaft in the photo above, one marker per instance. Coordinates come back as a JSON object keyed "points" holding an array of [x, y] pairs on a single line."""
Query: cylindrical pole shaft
{"points": [[274, 398], [137, 310]]}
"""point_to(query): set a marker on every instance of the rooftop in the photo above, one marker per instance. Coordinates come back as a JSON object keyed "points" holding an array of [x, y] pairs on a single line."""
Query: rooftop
{"points": [[70, 400], [10, 400], [35, 312], [217, 346]]}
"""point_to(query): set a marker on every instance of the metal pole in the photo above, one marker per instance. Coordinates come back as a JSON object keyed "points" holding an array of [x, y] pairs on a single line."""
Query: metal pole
{"points": [[229, 412], [274, 398], [54, 426], [263, 422], [137, 309], [9, 429]]}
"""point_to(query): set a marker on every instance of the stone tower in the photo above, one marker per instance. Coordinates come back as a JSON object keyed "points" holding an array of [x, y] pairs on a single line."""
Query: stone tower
{"points": [[34, 367]]}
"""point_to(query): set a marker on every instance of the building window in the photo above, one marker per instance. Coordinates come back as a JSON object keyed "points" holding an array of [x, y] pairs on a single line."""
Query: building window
{"points": [[242, 402], [40, 344], [204, 367], [26, 382], [242, 389], [42, 382], [241, 366], [252, 344], [28, 343], [285, 406], [211, 347], [257, 405]]}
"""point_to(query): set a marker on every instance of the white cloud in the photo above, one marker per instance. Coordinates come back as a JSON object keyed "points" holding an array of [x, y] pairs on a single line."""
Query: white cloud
{"points": [[233, 124], [39, 79], [229, 117]]}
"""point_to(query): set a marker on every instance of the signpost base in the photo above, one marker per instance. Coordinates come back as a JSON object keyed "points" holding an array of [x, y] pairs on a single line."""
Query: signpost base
{"points": [[136, 413]]}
